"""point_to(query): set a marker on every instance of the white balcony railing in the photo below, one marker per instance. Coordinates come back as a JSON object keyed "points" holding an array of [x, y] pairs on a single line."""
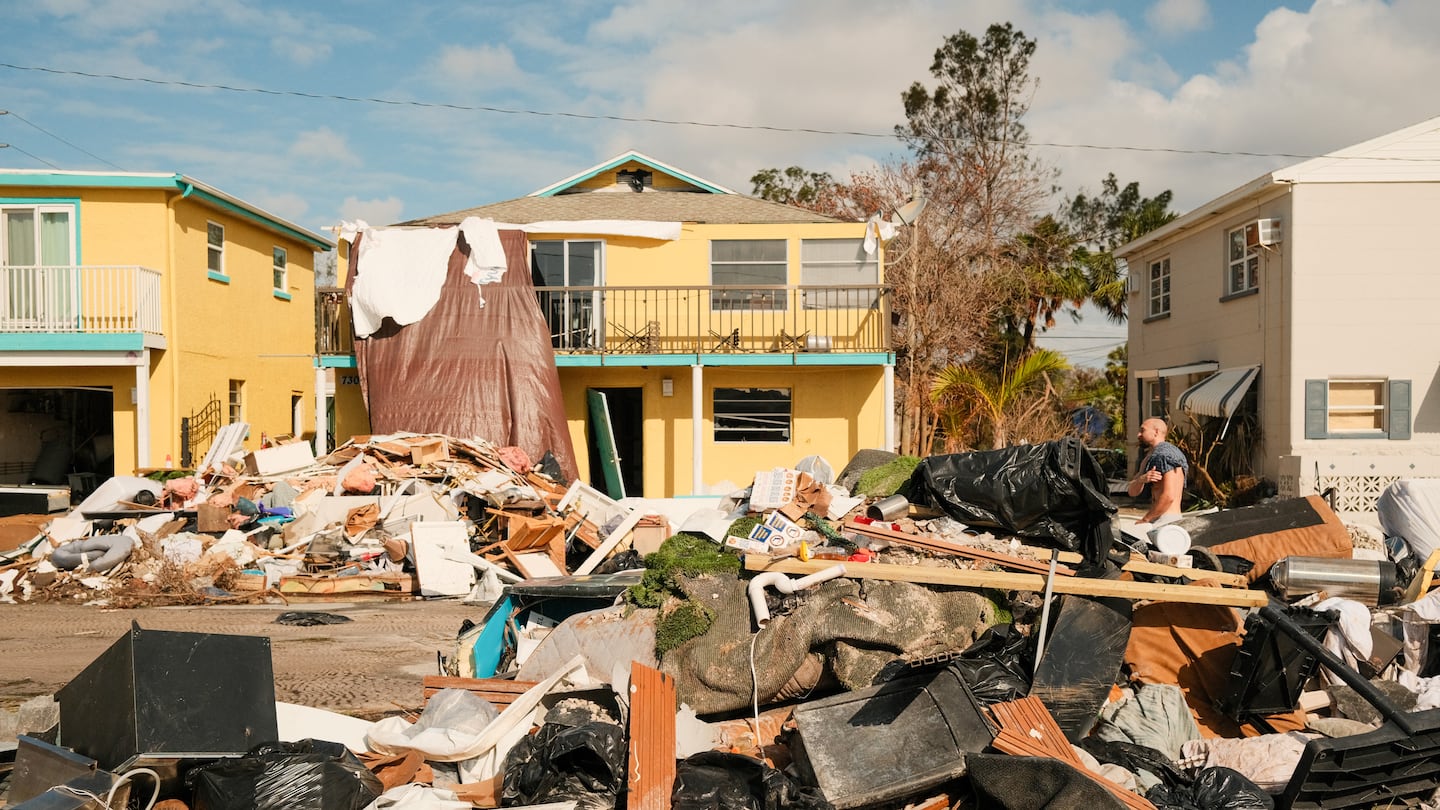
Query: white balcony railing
{"points": [[87, 299]]}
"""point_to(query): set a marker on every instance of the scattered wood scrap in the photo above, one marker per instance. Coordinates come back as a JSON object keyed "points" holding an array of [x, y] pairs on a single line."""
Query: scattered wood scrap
{"points": [[1028, 730], [1084, 586], [938, 545]]}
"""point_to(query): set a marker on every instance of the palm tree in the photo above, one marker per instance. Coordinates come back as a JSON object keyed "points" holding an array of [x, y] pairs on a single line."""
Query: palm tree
{"points": [[997, 400]]}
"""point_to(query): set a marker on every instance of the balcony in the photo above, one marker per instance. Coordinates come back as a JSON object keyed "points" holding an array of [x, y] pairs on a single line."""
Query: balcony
{"points": [[684, 320], [80, 300]]}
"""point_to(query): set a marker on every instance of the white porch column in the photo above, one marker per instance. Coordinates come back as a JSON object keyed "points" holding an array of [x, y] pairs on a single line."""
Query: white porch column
{"points": [[320, 411], [697, 429], [142, 410], [890, 407]]}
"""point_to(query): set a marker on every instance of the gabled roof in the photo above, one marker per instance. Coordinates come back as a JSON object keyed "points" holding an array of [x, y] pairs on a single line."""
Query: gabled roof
{"points": [[1410, 155], [619, 160], [187, 186], [732, 209]]}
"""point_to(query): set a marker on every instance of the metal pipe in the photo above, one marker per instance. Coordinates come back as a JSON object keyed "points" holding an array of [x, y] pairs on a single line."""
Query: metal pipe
{"points": [[784, 584]]}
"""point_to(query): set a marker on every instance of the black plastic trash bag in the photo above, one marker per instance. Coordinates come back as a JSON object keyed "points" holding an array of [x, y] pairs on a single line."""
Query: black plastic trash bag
{"points": [[1052, 492], [715, 780], [560, 762], [304, 775], [997, 666], [1136, 758], [1213, 789]]}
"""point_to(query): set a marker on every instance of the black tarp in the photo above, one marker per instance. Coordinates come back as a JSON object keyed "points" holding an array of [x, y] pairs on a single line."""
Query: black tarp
{"points": [[1052, 492]]}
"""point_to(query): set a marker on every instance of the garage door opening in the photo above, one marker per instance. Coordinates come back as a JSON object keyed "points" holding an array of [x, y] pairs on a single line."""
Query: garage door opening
{"points": [[57, 436]]}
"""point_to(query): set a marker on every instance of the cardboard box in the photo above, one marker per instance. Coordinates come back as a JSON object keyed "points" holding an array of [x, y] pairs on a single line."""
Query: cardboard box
{"points": [[279, 460], [429, 451]]}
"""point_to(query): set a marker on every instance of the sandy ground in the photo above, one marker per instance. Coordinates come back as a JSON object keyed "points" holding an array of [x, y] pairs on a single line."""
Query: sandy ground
{"points": [[368, 667]]}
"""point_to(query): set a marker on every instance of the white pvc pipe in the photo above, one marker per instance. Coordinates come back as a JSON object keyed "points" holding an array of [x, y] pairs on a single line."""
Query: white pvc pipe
{"points": [[784, 584]]}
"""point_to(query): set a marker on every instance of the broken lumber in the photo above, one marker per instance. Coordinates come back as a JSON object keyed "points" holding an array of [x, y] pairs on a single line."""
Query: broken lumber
{"points": [[937, 545], [1005, 580]]}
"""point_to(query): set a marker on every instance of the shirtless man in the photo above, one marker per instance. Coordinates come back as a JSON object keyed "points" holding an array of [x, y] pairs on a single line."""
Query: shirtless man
{"points": [[1162, 472]]}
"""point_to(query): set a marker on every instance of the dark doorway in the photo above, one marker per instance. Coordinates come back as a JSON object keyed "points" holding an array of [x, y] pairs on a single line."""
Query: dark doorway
{"points": [[51, 435], [628, 426]]}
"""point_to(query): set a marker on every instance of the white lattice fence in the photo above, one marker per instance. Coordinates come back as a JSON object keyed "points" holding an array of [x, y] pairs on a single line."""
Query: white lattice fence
{"points": [[1358, 480]]}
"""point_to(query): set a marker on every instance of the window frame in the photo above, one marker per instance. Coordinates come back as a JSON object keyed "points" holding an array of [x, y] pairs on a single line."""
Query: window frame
{"points": [[1158, 300], [216, 250], [732, 434], [1395, 408], [1379, 409], [280, 268], [854, 298], [740, 298], [39, 208], [1247, 263], [236, 402]]}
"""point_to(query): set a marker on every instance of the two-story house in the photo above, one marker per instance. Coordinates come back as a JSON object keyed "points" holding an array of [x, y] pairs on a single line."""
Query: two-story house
{"points": [[1310, 297], [710, 333], [139, 313]]}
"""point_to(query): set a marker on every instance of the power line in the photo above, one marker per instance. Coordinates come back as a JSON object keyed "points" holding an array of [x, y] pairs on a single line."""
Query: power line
{"points": [[665, 121], [27, 154], [22, 119]]}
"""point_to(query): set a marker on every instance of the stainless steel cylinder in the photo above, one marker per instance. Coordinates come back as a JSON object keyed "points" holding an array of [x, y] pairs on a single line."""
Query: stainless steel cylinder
{"points": [[891, 508], [1369, 581]]}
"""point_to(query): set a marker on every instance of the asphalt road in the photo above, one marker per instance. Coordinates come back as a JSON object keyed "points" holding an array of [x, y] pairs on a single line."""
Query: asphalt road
{"points": [[368, 667]]}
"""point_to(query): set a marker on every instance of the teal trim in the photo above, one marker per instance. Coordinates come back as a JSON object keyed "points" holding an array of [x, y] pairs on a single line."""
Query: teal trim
{"points": [[273, 225], [855, 359], [214, 276], [335, 361], [71, 201], [283, 296], [70, 342], [622, 160]]}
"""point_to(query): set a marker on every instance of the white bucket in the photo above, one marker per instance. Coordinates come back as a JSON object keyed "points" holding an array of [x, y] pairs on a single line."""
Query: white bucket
{"points": [[1170, 539]]}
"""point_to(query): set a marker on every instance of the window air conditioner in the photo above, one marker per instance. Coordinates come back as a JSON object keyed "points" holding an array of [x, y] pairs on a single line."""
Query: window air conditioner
{"points": [[1262, 233]]}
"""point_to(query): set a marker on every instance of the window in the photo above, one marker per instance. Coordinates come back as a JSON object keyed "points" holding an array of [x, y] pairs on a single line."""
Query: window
{"points": [[1159, 288], [1357, 408], [37, 243], [280, 268], [237, 401], [842, 262], [741, 262], [571, 314], [1152, 398], [297, 414], [1244, 266], [752, 414], [215, 246]]}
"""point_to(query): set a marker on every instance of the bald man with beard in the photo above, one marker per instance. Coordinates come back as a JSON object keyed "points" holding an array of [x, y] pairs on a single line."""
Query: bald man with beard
{"points": [[1162, 473]]}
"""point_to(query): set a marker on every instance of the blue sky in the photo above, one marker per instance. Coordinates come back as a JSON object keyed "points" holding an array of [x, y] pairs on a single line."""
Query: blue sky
{"points": [[1223, 76]]}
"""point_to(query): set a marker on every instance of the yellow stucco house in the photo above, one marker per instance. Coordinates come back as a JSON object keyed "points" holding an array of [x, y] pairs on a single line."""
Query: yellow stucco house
{"points": [[139, 313], [710, 333]]}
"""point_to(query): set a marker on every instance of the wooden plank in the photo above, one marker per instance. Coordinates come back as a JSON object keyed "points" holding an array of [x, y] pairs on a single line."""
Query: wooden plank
{"points": [[652, 738], [940, 545], [500, 692], [1005, 580], [1139, 565]]}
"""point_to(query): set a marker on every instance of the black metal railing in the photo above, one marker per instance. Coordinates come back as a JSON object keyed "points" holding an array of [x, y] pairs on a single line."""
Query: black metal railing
{"points": [[685, 320]]}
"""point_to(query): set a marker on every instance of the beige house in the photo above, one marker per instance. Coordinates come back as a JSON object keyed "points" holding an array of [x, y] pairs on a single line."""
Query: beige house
{"points": [[1311, 297]]}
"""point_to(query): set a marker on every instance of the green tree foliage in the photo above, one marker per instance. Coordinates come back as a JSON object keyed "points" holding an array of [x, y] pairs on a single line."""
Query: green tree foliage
{"points": [[1105, 221], [997, 403], [792, 186]]}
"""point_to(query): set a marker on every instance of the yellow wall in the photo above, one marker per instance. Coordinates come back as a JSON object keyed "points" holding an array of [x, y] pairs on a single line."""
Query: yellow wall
{"points": [[837, 411], [214, 331], [660, 181]]}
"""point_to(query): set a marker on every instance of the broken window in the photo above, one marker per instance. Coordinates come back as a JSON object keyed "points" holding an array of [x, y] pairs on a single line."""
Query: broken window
{"points": [[736, 263], [752, 414]]}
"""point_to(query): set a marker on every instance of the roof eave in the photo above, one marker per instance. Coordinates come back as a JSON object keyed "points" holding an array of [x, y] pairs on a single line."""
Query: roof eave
{"points": [[1194, 216], [555, 188]]}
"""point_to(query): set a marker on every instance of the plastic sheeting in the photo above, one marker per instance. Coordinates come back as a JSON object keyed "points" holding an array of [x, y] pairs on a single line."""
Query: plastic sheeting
{"points": [[304, 775], [1053, 492], [468, 370], [1410, 508]]}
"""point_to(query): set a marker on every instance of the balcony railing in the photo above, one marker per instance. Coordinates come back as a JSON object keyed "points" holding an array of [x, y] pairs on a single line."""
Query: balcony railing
{"points": [[87, 299], [685, 320]]}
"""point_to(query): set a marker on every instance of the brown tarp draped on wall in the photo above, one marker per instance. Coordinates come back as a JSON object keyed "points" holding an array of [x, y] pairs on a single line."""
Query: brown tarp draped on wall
{"points": [[467, 370]]}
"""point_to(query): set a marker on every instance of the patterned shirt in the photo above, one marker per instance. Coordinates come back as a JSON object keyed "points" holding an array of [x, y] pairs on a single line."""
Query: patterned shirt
{"points": [[1165, 457]]}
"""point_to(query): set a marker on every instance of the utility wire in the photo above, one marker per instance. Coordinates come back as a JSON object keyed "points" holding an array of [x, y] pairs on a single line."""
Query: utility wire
{"points": [[23, 120], [27, 154], [666, 121]]}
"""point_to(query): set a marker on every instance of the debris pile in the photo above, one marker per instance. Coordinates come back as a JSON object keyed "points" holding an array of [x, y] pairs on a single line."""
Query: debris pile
{"points": [[948, 641]]}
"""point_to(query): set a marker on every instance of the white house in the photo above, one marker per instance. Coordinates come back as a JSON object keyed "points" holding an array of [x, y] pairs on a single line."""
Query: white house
{"points": [[1311, 294]]}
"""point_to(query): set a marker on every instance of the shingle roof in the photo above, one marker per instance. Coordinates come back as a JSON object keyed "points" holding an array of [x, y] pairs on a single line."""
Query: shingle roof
{"points": [[654, 206]]}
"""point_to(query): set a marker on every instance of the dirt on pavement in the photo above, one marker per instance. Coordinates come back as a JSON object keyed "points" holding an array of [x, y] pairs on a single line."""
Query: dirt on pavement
{"points": [[368, 667]]}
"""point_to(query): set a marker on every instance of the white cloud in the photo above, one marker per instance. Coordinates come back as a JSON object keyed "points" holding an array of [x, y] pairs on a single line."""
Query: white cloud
{"points": [[287, 205], [376, 211], [303, 52], [323, 145], [1175, 17], [488, 65]]}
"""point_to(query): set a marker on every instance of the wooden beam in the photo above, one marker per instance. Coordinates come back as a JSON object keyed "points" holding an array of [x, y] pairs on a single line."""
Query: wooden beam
{"points": [[1005, 580]]}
